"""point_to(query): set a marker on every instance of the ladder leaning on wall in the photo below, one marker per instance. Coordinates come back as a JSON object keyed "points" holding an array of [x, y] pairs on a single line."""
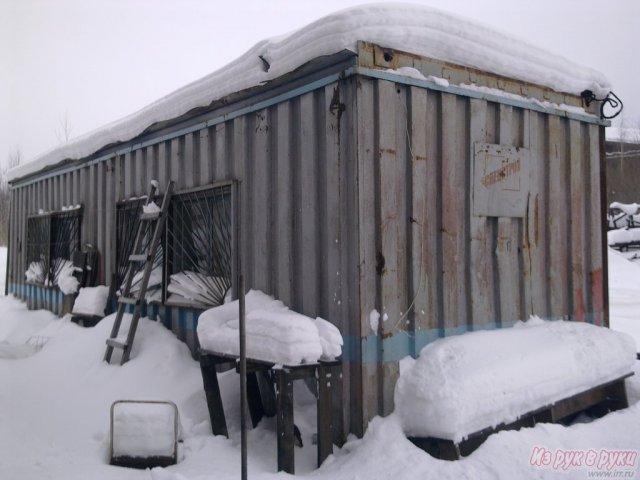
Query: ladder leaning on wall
{"points": [[152, 219]]}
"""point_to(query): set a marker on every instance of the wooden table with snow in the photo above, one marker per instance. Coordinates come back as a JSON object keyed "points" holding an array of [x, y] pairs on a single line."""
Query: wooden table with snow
{"points": [[282, 346], [462, 388]]}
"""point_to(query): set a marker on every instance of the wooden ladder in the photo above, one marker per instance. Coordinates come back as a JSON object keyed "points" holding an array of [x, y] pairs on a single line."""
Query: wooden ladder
{"points": [[136, 258]]}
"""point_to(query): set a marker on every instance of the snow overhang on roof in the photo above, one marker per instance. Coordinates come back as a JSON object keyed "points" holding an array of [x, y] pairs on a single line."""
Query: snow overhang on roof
{"points": [[415, 29]]}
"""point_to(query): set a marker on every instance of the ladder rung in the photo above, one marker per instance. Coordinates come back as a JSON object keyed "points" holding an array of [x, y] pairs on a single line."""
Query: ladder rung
{"points": [[128, 300], [150, 215], [138, 258], [112, 342]]}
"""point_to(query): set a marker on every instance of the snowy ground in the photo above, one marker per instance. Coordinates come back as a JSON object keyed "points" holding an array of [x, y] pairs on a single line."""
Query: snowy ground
{"points": [[54, 412]]}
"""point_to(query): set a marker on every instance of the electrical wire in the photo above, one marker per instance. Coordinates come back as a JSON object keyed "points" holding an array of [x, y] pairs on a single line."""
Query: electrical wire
{"points": [[611, 99]]}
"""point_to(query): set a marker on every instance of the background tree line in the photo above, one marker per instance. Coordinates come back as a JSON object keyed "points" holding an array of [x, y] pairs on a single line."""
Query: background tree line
{"points": [[14, 160]]}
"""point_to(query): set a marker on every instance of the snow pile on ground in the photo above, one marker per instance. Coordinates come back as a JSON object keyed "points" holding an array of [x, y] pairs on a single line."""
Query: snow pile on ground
{"points": [[274, 333], [54, 413], [624, 295], [465, 383], [415, 28], [144, 429], [91, 300]]}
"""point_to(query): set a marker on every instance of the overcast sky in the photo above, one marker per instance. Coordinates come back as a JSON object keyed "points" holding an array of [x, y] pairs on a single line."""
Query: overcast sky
{"points": [[89, 62]]}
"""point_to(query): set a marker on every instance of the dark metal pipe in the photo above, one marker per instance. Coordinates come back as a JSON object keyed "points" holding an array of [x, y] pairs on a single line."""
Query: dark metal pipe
{"points": [[243, 383]]}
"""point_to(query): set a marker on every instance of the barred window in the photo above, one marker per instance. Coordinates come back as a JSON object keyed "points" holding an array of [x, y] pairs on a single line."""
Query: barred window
{"points": [[51, 240], [127, 223], [199, 247]]}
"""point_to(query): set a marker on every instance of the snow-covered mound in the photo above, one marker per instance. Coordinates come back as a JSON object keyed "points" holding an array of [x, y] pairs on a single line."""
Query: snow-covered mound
{"points": [[415, 28], [465, 383], [274, 333], [143, 429]]}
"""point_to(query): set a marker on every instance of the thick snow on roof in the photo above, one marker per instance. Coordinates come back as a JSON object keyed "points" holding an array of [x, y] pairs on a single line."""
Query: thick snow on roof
{"points": [[414, 28]]}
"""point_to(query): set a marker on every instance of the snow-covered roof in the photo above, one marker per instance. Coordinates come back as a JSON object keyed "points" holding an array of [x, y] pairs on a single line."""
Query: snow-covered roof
{"points": [[412, 28]]}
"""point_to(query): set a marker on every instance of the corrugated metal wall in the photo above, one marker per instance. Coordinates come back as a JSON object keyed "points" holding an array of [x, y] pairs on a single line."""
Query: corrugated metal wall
{"points": [[296, 198], [432, 268], [356, 197]]}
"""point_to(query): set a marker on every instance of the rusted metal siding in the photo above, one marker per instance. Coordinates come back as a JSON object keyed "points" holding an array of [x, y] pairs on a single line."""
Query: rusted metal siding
{"points": [[432, 268]]}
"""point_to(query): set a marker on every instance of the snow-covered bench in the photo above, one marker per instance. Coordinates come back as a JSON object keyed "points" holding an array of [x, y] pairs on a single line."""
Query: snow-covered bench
{"points": [[282, 346], [463, 388], [623, 238]]}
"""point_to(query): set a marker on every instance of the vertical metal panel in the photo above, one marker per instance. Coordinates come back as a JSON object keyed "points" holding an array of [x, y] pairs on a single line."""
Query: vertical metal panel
{"points": [[222, 159], [140, 172], [578, 185], [558, 221], [306, 278], [283, 205], [164, 166], [391, 218], [261, 201], [421, 306], [110, 218], [176, 159], [453, 212], [76, 195], [331, 195], [205, 157], [536, 251], [368, 245], [189, 161], [597, 272], [100, 223], [509, 241], [243, 148]]}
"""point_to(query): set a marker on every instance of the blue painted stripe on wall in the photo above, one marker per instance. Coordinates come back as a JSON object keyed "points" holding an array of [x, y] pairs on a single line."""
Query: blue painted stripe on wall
{"points": [[356, 349]]}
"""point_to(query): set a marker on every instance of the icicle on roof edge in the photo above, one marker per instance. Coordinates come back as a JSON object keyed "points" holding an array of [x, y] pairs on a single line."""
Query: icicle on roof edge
{"points": [[416, 29]]}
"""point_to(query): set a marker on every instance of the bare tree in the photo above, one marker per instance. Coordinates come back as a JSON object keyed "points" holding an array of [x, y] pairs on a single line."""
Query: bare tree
{"points": [[15, 157], [63, 132]]}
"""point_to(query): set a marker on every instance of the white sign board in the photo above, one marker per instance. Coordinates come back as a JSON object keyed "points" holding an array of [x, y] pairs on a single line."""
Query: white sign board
{"points": [[500, 180]]}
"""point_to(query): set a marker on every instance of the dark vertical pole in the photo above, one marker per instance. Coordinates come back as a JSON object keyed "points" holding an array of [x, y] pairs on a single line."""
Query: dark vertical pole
{"points": [[9, 246], [243, 383], [324, 418], [284, 422]]}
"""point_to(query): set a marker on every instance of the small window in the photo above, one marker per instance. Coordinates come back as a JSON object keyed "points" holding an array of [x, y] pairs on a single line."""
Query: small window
{"points": [[51, 240], [127, 223], [199, 247]]}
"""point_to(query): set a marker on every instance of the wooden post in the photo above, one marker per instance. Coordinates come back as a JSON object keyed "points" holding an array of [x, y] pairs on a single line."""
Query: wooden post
{"points": [[284, 422], [212, 392], [243, 383], [325, 420]]}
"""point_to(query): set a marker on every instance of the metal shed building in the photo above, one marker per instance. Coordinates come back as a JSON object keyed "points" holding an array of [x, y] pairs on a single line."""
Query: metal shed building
{"points": [[402, 208]]}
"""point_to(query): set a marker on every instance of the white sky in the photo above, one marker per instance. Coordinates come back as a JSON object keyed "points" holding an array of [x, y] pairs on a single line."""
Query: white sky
{"points": [[94, 61]]}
